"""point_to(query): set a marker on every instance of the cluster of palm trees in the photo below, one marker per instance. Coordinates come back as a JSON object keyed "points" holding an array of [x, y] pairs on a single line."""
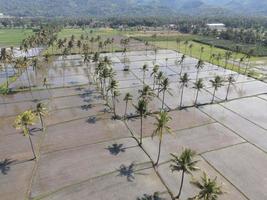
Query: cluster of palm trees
{"points": [[29, 118], [187, 164], [84, 44], [229, 57], [42, 38], [216, 83]]}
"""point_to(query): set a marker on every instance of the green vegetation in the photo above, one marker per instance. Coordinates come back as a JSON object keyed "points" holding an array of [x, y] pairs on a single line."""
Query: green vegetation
{"points": [[77, 32], [258, 50], [13, 37]]}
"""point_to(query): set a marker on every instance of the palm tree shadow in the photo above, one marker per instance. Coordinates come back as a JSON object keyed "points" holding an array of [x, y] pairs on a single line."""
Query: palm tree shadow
{"points": [[155, 196], [115, 149], [129, 172], [87, 107], [34, 130], [92, 120], [5, 166]]}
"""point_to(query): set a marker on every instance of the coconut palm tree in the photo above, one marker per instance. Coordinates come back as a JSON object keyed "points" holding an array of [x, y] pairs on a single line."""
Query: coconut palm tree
{"points": [[181, 63], [198, 85], [178, 42], [201, 52], [22, 122], [185, 46], [23, 64], [230, 81], [154, 74], [227, 56], [166, 62], [162, 127], [164, 86], [113, 86], [211, 49], [198, 66], [212, 57], [184, 81], [248, 57], [209, 189], [190, 48], [159, 78], [146, 44], [144, 69], [41, 111], [141, 109], [128, 97], [241, 60], [115, 94], [218, 58], [5, 58], [146, 93], [184, 163], [155, 52], [216, 83]]}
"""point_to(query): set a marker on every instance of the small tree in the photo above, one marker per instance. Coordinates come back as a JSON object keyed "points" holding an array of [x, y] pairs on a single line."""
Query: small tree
{"points": [[181, 63], [128, 97], [146, 93], [199, 65], [209, 189], [184, 163], [41, 111], [159, 78], [144, 69], [112, 88], [164, 86], [184, 81], [216, 83], [141, 109], [198, 85], [231, 81], [22, 122], [162, 127], [154, 74]]}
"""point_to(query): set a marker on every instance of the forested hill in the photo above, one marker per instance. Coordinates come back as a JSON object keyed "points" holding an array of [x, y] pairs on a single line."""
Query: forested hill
{"points": [[106, 8]]}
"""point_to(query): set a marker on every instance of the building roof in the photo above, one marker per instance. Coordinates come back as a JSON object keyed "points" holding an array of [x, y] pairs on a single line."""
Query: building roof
{"points": [[216, 24]]}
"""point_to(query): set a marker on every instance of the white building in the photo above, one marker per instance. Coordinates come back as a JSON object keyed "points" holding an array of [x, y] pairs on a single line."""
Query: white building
{"points": [[217, 26]]}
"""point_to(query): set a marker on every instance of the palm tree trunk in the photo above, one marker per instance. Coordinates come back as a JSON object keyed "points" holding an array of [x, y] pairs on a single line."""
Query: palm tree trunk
{"points": [[213, 96], [125, 112], [7, 81], [141, 129], [227, 93], [42, 122], [196, 97], [181, 69], [181, 186], [28, 78], [157, 162], [30, 139], [181, 100], [154, 82], [114, 106], [163, 99], [197, 74], [144, 78]]}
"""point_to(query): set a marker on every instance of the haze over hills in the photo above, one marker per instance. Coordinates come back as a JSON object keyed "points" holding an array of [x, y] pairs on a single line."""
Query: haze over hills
{"points": [[107, 8]]}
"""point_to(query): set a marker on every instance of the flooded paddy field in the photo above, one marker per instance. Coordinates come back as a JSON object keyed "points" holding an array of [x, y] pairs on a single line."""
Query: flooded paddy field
{"points": [[85, 152]]}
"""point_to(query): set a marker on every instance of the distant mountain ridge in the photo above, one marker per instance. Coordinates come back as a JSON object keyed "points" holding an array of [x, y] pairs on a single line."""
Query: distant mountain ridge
{"points": [[107, 8]]}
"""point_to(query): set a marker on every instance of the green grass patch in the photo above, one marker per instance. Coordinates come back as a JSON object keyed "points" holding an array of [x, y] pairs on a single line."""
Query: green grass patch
{"points": [[13, 37], [164, 37], [77, 32], [258, 50], [195, 52]]}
